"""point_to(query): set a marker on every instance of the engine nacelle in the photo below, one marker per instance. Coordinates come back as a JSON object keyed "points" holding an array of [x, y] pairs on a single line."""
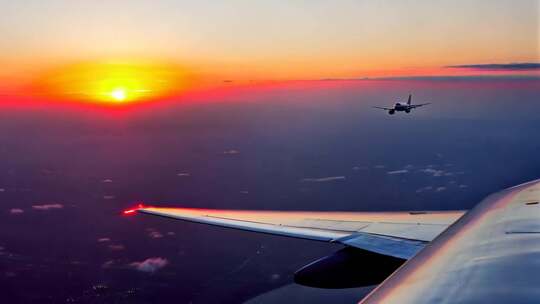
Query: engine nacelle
{"points": [[349, 267], [391, 112]]}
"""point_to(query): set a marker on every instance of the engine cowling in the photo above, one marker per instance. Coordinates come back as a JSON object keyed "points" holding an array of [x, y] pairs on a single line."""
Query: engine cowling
{"points": [[347, 268], [391, 112]]}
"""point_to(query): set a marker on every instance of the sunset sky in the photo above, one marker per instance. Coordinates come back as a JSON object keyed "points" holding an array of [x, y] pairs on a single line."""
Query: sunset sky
{"points": [[56, 47], [245, 105]]}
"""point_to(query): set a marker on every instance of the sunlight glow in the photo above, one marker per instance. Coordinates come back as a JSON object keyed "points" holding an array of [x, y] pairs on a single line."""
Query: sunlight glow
{"points": [[119, 94], [114, 84]]}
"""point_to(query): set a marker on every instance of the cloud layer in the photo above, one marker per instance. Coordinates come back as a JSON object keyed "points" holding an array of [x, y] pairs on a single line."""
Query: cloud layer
{"points": [[522, 66]]}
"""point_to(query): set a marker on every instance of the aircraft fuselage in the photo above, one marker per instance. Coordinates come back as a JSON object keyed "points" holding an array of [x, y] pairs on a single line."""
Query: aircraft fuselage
{"points": [[490, 255], [400, 107]]}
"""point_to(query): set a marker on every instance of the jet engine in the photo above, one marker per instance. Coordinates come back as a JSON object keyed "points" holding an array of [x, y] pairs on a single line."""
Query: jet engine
{"points": [[347, 268], [391, 112]]}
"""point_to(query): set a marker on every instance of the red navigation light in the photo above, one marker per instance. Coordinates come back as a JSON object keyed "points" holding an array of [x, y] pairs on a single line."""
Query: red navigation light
{"points": [[131, 211]]}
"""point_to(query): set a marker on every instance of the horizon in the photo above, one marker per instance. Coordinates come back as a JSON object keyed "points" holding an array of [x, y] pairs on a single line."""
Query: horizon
{"points": [[125, 52], [259, 105]]}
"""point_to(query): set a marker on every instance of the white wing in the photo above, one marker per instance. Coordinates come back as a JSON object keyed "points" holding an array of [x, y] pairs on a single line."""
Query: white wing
{"points": [[419, 105], [398, 234], [383, 108]]}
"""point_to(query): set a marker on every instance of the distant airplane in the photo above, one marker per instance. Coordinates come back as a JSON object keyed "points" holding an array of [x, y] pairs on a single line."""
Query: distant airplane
{"points": [[399, 106], [489, 254]]}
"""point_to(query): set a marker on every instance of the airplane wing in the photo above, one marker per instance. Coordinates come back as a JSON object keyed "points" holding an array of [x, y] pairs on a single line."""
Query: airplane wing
{"points": [[397, 234], [383, 108], [419, 105]]}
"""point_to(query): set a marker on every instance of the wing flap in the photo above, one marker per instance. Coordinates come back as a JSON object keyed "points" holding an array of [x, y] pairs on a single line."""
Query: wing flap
{"points": [[410, 231], [396, 247]]}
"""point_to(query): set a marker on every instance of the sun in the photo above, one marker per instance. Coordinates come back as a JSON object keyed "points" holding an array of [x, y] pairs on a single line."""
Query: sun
{"points": [[114, 83], [118, 94]]}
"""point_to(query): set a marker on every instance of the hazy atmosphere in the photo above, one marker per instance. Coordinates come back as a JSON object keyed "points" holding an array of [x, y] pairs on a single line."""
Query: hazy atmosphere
{"points": [[263, 105]]}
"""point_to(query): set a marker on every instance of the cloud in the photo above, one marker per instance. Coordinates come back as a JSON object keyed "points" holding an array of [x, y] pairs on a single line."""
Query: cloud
{"points": [[154, 233], [48, 206], [103, 240], [183, 174], [356, 168], [524, 67], [231, 152], [323, 179], [10, 274], [438, 173], [430, 188], [108, 197], [423, 189], [397, 172], [150, 265], [16, 211], [461, 78], [107, 180], [108, 264], [116, 247], [515, 66], [463, 186], [433, 172]]}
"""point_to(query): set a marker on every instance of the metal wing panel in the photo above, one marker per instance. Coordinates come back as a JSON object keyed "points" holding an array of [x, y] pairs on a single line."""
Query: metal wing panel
{"points": [[411, 231], [276, 228], [399, 248], [419, 105], [399, 234]]}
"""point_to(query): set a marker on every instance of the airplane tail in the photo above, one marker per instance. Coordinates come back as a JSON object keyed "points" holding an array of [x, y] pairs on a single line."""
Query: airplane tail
{"points": [[409, 100]]}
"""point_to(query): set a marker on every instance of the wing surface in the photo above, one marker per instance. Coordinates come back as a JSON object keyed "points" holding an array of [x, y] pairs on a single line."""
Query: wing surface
{"points": [[420, 105], [398, 234]]}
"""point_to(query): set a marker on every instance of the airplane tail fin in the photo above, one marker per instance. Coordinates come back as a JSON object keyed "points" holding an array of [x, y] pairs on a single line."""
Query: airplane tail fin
{"points": [[409, 100]]}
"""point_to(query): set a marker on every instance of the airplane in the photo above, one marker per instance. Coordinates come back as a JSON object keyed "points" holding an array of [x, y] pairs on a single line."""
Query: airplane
{"points": [[489, 254], [399, 106]]}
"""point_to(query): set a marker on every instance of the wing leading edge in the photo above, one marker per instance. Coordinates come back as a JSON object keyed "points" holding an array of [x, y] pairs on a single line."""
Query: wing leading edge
{"points": [[397, 234], [420, 105]]}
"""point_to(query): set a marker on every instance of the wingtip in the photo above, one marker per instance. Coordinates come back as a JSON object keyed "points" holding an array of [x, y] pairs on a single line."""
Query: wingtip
{"points": [[133, 211]]}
